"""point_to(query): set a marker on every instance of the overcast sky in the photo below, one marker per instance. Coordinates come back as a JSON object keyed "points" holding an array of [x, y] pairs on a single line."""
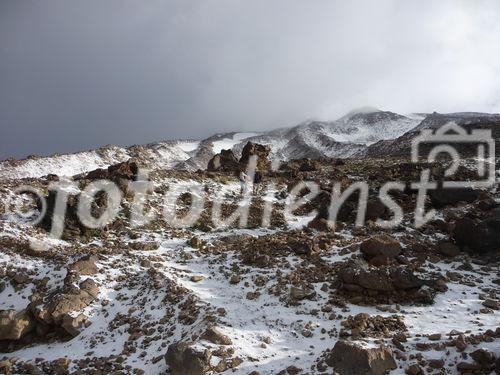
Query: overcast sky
{"points": [[79, 74]]}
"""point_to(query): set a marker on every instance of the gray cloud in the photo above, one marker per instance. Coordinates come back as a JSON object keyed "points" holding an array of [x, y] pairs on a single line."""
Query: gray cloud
{"points": [[76, 75]]}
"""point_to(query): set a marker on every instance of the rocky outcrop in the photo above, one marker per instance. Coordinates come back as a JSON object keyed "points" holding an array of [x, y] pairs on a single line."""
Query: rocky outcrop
{"points": [[126, 170], [364, 325], [84, 266], [58, 310], [365, 284], [348, 358], [262, 152], [224, 162], [66, 303]]}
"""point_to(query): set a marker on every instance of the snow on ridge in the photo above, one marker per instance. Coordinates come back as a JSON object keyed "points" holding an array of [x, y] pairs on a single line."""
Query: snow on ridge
{"points": [[156, 155], [188, 146], [64, 165], [229, 143], [357, 131]]}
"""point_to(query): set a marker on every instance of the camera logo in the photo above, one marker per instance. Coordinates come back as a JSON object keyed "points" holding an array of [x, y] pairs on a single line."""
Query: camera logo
{"points": [[447, 140]]}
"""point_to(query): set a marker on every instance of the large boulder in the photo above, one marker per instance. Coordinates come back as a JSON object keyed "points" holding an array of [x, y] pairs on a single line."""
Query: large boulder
{"points": [[14, 326], [225, 161], [484, 357], [216, 336], [451, 196], [75, 299], [262, 152], [479, 235], [84, 266], [448, 249], [126, 170], [380, 248], [186, 359], [365, 284], [348, 358]]}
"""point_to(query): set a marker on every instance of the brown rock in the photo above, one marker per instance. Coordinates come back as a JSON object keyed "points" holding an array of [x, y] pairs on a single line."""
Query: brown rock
{"points": [[66, 303], [321, 225], [436, 363], [375, 209], [215, 336], [381, 246], [225, 161], [435, 337], [414, 370], [351, 359], [448, 249], [197, 278], [464, 367], [14, 326], [73, 325], [492, 304], [292, 370], [484, 357], [262, 152], [299, 294], [85, 266], [184, 359]]}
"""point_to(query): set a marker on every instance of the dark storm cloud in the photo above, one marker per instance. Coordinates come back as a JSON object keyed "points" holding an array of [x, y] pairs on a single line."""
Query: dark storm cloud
{"points": [[79, 74]]}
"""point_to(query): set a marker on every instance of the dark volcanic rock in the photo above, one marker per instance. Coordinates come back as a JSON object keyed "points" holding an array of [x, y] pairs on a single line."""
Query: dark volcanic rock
{"points": [[382, 247], [479, 235], [365, 283], [224, 162], [262, 152], [451, 196]]}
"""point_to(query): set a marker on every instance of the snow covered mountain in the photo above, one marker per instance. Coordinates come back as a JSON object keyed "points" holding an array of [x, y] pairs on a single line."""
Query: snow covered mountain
{"points": [[401, 145], [366, 131]]}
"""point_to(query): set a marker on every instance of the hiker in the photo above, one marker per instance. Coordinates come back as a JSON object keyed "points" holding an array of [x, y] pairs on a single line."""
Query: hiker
{"points": [[257, 179]]}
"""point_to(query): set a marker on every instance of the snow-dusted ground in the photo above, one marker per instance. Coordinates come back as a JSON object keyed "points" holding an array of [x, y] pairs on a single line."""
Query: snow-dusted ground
{"points": [[124, 285], [247, 322]]}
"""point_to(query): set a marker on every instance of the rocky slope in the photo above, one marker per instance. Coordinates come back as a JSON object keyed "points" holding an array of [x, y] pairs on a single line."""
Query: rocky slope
{"points": [[292, 297]]}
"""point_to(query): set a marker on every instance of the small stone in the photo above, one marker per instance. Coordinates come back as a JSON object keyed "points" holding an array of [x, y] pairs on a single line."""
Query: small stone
{"points": [[215, 336], [436, 363], [235, 279], [492, 304], [197, 278]]}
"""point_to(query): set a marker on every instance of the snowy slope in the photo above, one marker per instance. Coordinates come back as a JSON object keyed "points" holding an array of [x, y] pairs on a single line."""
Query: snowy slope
{"points": [[64, 165], [345, 137]]}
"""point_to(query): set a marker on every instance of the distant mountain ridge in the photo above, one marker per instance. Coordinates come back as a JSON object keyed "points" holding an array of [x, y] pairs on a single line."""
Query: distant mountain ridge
{"points": [[366, 132]]}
